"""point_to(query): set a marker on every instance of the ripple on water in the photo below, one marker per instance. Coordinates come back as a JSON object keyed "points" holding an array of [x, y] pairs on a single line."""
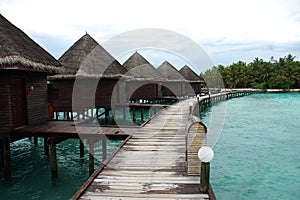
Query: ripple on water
{"points": [[257, 155]]}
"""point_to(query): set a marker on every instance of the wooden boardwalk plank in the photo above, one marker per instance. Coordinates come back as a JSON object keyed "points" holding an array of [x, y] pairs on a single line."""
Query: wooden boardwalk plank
{"points": [[151, 165]]}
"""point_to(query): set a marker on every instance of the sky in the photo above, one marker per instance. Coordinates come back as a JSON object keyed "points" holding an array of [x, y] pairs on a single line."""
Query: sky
{"points": [[226, 30]]}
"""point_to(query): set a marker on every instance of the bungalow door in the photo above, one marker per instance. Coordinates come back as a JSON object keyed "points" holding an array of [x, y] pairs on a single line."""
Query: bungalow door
{"points": [[19, 102]]}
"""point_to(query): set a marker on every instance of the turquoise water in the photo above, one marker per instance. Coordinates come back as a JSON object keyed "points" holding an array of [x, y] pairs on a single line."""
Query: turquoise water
{"points": [[31, 170], [257, 154]]}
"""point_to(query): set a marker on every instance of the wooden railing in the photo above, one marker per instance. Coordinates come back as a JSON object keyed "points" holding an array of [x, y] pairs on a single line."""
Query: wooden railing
{"points": [[195, 138]]}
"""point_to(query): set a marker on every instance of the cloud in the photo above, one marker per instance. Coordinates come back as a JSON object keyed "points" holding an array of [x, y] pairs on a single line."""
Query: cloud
{"points": [[217, 25]]}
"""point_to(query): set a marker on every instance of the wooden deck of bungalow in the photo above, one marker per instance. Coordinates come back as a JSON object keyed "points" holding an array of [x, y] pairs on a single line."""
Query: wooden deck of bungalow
{"points": [[150, 165]]}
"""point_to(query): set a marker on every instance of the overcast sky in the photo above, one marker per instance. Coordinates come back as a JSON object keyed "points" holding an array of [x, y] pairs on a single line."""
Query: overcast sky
{"points": [[227, 30]]}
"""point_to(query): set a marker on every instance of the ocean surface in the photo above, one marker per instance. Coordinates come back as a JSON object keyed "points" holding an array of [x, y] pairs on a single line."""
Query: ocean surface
{"points": [[31, 170], [257, 155]]}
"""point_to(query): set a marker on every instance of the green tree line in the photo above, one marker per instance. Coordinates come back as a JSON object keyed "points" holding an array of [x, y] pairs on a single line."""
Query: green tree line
{"points": [[283, 73]]}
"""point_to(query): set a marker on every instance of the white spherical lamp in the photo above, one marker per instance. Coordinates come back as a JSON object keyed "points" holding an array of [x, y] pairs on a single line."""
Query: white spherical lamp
{"points": [[205, 154]]}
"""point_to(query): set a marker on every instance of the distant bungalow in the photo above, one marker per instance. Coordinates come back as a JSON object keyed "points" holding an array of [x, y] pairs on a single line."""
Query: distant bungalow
{"points": [[196, 81], [175, 86], [88, 62], [147, 79], [24, 68]]}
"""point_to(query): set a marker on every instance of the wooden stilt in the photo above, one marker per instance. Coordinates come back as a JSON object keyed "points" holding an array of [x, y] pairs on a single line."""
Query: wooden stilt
{"points": [[91, 157], [65, 115], [124, 113], [81, 148], [46, 147], [83, 115], [1, 154], [54, 169], [92, 113], [106, 115], [113, 113], [35, 141], [6, 157], [142, 114], [104, 150], [133, 115]]}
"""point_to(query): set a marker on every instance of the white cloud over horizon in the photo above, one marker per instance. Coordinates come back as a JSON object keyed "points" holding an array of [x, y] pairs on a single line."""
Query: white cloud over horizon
{"points": [[228, 30]]}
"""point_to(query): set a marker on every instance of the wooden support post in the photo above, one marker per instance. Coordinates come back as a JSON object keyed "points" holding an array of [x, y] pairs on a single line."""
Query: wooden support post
{"points": [[35, 140], [106, 115], [54, 169], [46, 147], [133, 115], [6, 157], [91, 157], [83, 115], [142, 114], [1, 154], [204, 177], [113, 113], [124, 113], [104, 149], [92, 113], [81, 148]]}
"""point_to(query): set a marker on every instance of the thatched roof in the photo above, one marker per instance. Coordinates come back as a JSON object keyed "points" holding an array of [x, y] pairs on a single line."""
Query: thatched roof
{"points": [[190, 75], [87, 58], [19, 51], [139, 67], [170, 72]]}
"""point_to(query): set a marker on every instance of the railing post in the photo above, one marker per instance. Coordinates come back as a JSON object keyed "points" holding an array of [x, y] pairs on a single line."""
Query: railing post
{"points": [[204, 177]]}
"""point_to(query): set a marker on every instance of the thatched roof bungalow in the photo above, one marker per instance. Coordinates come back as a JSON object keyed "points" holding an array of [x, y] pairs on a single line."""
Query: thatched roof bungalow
{"points": [[89, 63], [146, 83], [195, 81], [24, 66], [175, 86]]}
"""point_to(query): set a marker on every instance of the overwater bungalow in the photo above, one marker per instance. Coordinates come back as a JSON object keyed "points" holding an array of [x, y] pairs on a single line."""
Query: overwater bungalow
{"points": [[146, 84], [175, 86], [24, 67], [195, 81], [94, 69]]}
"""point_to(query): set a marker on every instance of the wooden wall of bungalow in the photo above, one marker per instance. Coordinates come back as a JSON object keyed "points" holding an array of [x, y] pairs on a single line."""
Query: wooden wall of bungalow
{"points": [[147, 90], [23, 99], [197, 86], [61, 94], [173, 88]]}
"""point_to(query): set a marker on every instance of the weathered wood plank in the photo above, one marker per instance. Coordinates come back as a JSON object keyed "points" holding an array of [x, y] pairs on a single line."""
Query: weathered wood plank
{"points": [[151, 165]]}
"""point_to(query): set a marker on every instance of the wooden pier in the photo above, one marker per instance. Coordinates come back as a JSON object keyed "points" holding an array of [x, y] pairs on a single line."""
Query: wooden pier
{"points": [[152, 163]]}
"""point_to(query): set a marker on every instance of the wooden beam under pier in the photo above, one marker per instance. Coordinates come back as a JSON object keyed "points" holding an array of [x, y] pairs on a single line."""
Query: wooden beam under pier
{"points": [[81, 146], [91, 157], [104, 149], [46, 146], [6, 156], [54, 168]]}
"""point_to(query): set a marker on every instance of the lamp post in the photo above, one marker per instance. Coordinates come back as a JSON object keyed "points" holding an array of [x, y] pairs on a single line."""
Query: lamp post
{"points": [[205, 155]]}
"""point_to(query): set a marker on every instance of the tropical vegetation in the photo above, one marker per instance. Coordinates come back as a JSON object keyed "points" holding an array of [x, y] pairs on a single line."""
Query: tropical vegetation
{"points": [[283, 73]]}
